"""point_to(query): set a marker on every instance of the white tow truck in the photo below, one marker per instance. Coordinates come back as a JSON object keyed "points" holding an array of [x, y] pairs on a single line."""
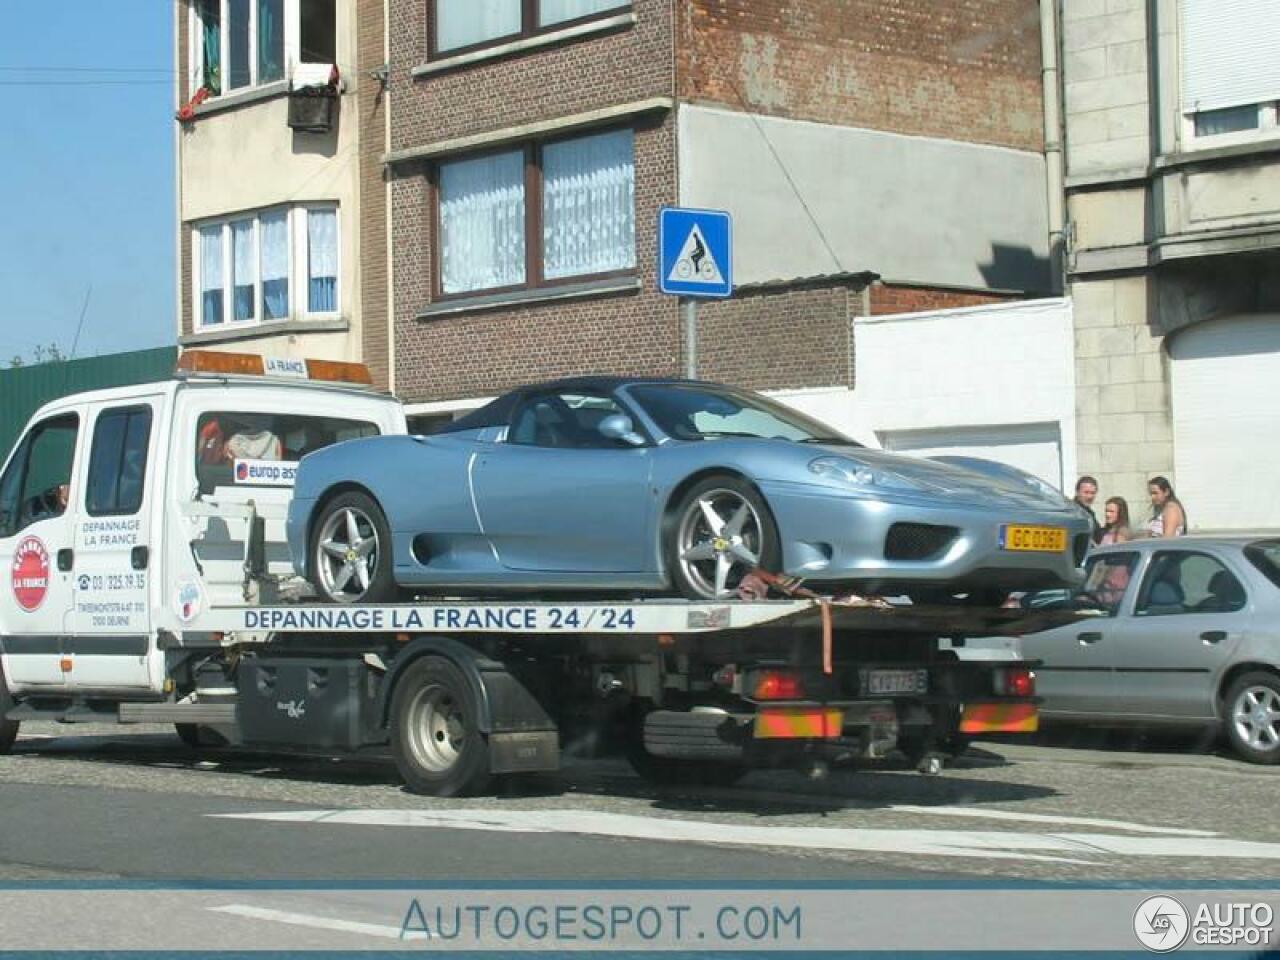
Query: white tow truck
{"points": [[150, 582]]}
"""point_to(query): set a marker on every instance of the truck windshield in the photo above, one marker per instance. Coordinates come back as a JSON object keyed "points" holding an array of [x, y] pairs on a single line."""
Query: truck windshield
{"points": [[701, 413], [257, 449]]}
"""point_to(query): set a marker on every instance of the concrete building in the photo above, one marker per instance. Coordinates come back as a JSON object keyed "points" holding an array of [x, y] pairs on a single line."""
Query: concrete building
{"points": [[532, 145], [1173, 185], [281, 200]]}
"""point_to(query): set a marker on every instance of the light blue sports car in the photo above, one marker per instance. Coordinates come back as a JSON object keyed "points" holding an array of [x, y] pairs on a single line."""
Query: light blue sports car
{"points": [[603, 484]]}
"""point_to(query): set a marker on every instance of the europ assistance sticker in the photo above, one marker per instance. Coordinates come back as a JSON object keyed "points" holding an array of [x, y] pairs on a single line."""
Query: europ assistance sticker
{"points": [[1162, 924]]}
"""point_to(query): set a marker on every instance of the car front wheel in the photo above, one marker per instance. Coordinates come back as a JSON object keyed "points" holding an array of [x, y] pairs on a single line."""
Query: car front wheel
{"points": [[722, 531], [351, 551], [1252, 717]]}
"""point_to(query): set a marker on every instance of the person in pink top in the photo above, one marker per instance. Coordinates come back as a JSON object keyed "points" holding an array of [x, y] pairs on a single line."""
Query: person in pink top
{"points": [[1116, 529]]}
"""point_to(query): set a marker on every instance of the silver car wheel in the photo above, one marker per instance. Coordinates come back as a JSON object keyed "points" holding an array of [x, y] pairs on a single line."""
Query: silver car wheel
{"points": [[437, 729], [1256, 715], [718, 542], [346, 554]]}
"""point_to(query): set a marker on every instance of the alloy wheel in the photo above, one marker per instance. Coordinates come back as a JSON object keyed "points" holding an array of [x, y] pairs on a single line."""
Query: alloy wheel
{"points": [[719, 542], [347, 554], [1256, 716]]}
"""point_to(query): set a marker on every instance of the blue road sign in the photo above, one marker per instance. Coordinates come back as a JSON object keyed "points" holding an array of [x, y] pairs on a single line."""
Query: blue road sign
{"points": [[695, 252]]}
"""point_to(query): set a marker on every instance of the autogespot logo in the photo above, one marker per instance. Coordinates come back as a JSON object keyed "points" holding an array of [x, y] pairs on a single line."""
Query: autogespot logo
{"points": [[1161, 924]]}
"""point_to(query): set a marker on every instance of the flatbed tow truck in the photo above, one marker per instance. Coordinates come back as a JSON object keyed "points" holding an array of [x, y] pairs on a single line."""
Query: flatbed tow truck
{"points": [[162, 594]]}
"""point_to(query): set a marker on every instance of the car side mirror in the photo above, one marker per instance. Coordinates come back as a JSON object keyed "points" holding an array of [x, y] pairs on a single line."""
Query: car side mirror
{"points": [[618, 426]]}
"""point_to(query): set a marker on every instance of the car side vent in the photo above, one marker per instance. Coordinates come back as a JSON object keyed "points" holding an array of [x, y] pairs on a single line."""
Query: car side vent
{"points": [[917, 541]]}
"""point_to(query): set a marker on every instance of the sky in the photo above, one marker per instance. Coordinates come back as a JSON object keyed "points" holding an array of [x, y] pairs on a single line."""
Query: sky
{"points": [[87, 205]]}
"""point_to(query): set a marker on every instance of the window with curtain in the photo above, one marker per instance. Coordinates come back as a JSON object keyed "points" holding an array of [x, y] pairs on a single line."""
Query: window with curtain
{"points": [[482, 223], [211, 274], [211, 45], [246, 43], [559, 11], [270, 40], [270, 266], [588, 205], [238, 29], [464, 23], [322, 261]]}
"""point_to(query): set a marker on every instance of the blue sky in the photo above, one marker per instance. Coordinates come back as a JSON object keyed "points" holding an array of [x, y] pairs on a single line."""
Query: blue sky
{"points": [[86, 175]]}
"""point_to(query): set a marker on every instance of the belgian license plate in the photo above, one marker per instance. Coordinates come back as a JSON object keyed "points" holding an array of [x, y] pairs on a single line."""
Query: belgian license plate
{"points": [[1028, 539], [877, 682]]}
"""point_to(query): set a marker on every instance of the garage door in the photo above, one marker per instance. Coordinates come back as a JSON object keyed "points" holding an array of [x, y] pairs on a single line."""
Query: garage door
{"points": [[1033, 447], [1226, 422]]}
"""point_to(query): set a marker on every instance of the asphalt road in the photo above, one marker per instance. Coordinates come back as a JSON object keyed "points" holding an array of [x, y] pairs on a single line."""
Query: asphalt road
{"points": [[101, 803]]}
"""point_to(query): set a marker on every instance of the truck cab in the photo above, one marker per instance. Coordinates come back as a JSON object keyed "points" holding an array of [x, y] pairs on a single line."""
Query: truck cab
{"points": [[125, 513]]}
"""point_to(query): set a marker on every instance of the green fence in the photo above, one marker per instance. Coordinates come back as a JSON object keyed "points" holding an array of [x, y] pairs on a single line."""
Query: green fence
{"points": [[25, 389]]}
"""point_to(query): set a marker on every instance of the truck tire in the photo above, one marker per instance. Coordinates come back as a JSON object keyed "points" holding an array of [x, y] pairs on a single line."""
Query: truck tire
{"points": [[8, 728], [435, 731], [350, 551], [671, 771]]}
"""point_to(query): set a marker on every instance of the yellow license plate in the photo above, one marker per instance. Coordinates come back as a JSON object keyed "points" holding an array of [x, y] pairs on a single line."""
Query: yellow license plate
{"points": [[1029, 539]]}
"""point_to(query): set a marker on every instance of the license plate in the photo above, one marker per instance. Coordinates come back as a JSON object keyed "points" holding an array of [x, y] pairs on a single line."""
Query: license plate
{"points": [[877, 682], [1033, 539]]}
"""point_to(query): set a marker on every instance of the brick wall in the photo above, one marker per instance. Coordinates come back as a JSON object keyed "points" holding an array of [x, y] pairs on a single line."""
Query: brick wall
{"points": [[963, 71], [891, 298], [371, 105]]}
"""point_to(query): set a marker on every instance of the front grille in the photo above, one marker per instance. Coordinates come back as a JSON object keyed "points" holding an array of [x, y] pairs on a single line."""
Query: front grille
{"points": [[1080, 547], [917, 541]]}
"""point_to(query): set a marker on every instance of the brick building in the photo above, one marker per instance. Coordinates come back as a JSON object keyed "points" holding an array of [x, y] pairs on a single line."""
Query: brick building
{"points": [[533, 142]]}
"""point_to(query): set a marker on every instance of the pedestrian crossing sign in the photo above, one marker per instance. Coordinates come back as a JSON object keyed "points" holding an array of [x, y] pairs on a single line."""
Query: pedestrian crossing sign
{"points": [[695, 252]]}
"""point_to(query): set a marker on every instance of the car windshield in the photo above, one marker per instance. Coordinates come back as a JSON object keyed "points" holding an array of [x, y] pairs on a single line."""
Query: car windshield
{"points": [[1265, 555], [701, 413]]}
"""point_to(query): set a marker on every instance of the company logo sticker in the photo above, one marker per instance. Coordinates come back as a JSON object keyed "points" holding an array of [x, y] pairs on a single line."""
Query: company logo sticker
{"points": [[30, 574], [188, 600], [1161, 924], [266, 473]]}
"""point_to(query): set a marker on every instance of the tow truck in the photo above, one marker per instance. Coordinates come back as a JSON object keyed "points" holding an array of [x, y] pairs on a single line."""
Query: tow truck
{"points": [[150, 582]]}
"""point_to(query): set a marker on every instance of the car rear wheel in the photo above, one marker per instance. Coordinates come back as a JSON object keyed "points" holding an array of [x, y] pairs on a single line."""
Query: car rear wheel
{"points": [[722, 531], [1253, 717], [351, 551], [435, 731], [8, 728]]}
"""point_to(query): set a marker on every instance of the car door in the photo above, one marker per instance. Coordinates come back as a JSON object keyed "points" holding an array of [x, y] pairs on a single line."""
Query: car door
{"points": [[111, 622], [1189, 616], [556, 495], [1075, 677], [36, 543]]}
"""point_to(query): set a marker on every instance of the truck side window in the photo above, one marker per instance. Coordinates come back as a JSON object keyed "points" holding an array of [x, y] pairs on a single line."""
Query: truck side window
{"points": [[229, 442], [118, 461], [35, 485]]}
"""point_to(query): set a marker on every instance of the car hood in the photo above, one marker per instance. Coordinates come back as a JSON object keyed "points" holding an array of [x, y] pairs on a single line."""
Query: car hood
{"points": [[951, 481]]}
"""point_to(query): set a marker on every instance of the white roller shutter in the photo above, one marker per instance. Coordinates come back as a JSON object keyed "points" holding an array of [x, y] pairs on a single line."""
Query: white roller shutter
{"points": [[1230, 53], [1226, 423]]}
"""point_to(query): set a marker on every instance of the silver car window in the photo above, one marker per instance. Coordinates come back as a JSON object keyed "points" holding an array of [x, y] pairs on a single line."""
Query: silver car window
{"points": [[1107, 579], [1184, 581]]}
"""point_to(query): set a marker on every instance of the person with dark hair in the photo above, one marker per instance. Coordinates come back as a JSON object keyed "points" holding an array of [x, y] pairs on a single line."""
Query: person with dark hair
{"points": [[1086, 493], [1116, 515], [1168, 519]]}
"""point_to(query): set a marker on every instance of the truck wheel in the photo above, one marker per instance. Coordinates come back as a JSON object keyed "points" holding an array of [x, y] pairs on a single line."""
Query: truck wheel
{"points": [[721, 530], [351, 551], [1251, 714], [435, 731], [8, 728], [671, 771]]}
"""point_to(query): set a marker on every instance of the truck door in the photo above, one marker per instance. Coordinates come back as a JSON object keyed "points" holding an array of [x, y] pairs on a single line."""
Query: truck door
{"points": [[111, 621], [36, 547]]}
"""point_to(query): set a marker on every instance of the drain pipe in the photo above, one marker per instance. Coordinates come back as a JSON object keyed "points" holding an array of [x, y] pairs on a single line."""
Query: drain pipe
{"points": [[1055, 181]]}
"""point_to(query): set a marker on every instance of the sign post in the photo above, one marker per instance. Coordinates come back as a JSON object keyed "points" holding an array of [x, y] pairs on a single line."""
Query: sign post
{"points": [[695, 260]]}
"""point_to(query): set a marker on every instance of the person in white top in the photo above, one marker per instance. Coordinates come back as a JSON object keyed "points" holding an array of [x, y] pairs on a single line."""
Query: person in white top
{"points": [[1168, 519]]}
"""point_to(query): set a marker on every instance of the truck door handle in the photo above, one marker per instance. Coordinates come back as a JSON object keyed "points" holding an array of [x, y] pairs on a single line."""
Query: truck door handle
{"points": [[1089, 637], [1213, 636], [66, 559], [138, 558]]}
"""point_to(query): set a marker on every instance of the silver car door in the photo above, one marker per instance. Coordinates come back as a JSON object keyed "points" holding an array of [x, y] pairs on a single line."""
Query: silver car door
{"points": [[1189, 616], [1074, 677]]}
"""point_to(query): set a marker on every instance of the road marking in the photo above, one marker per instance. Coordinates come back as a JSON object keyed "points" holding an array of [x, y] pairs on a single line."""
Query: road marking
{"points": [[977, 812], [307, 920]]}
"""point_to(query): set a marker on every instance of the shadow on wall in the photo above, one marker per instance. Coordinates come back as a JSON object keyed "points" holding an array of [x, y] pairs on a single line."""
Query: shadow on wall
{"points": [[1193, 291], [1017, 268], [316, 144]]}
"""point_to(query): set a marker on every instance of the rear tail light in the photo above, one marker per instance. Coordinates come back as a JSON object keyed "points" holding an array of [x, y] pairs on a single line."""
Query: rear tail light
{"points": [[778, 685], [1015, 682]]}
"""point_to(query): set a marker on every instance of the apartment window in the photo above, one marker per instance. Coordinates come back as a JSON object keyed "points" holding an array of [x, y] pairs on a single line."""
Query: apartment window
{"points": [[267, 266], [241, 44], [543, 214], [463, 24], [1230, 69]]}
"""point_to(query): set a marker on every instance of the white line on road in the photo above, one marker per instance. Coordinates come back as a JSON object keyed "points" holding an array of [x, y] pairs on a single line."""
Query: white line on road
{"points": [[977, 812], [307, 920]]}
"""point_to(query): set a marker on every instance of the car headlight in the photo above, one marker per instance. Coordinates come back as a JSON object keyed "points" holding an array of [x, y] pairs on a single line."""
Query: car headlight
{"points": [[846, 470]]}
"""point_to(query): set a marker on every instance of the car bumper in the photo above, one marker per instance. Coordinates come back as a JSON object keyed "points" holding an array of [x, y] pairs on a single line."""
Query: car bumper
{"points": [[296, 532], [828, 537]]}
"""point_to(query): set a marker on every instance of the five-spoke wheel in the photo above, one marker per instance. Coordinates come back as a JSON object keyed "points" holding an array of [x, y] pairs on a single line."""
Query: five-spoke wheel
{"points": [[723, 530], [351, 551]]}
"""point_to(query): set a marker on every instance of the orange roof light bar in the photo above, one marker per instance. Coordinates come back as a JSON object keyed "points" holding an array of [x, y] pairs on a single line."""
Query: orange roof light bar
{"points": [[253, 365]]}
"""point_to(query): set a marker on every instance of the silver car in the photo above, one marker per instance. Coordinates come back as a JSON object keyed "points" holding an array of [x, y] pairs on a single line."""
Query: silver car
{"points": [[1191, 637]]}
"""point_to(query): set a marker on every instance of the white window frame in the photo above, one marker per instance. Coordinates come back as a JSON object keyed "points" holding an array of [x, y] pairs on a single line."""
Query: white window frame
{"points": [[299, 264], [1268, 129], [292, 13]]}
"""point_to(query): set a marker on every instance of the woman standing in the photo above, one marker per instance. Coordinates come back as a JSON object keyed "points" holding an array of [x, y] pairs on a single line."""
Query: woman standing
{"points": [[1117, 525], [1168, 519]]}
